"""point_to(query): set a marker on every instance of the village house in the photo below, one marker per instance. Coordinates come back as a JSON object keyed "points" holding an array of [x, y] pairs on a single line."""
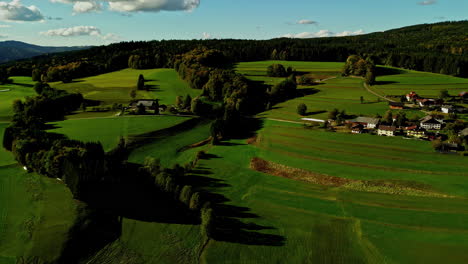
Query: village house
{"points": [[367, 122], [429, 102], [395, 105], [386, 131], [149, 104], [430, 123], [463, 133], [447, 109], [412, 96], [357, 128], [415, 131], [464, 95]]}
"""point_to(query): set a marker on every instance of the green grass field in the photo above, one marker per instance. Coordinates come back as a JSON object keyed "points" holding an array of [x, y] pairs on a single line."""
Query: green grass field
{"points": [[341, 93], [333, 225], [272, 219], [108, 131], [36, 214], [115, 87], [20, 88], [424, 83]]}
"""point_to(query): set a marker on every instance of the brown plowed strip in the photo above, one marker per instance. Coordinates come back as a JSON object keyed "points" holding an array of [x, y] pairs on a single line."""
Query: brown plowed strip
{"points": [[380, 186]]}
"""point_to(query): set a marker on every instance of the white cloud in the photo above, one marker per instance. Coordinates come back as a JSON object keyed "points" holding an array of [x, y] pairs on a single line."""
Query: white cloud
{"points": [[306, 22], [323, 33], [427, 2], [111, 38], [3, 36], [72, 31], [86, 7], [206, 35], [82, 31], [350, 33], [138, 5], [15, 11]]}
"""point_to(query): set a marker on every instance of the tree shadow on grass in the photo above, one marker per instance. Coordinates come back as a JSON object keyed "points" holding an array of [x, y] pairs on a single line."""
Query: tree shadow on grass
{"points": [[315, 112], [384, 82], [230, 220], [24, 85], [383, 71], [152, 87]]}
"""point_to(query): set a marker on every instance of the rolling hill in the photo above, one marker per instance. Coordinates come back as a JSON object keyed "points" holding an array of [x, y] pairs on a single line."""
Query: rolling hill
{"points": [[14, 50]]}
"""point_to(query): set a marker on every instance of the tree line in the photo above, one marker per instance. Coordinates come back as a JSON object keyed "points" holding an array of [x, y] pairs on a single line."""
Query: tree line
{"points": [[438, 48]]}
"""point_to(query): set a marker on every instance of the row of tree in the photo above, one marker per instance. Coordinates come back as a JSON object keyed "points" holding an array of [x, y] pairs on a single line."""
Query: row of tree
{"points": [[78, 164], [439, 48]]}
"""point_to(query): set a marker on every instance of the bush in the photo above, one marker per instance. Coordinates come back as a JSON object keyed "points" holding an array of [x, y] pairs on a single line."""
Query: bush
{"points": [[186, 194], [195, 201], [302, 109], [207, 222]]}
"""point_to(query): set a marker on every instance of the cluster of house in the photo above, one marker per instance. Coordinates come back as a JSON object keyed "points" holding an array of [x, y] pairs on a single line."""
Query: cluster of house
{"points": [[424, 102], [365, 124], [148, 104]]}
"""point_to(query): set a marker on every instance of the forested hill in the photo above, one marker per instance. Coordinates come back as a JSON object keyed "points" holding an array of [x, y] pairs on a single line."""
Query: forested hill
{"points": [[14, 50], [440, 48]]}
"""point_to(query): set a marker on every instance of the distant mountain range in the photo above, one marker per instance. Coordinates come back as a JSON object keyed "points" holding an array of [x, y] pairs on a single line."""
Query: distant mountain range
{"points": [[15, 50]]}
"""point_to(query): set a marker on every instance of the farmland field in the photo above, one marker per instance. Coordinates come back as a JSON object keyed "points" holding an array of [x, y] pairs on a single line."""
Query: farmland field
{"points": [[349, 226], [425, 84], [400, 202], [108, 131], [339, 92], [20, 88], [115, 87], [36, 214]]}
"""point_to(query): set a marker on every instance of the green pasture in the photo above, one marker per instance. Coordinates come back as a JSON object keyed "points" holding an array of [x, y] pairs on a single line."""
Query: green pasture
{"points": [[167, 149], [258, 68], [426, 84], [329, 225], [115, 87], [36, 214], [108, 131], [19, 89]]}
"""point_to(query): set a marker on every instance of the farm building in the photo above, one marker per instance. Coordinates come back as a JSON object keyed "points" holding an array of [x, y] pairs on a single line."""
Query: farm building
{"points": [[415, 131], [463, 95], [429, 102], [430, 122], [447, 109], [357, 128], [149, 104], [412, 96], [314, 120], [386, 131], [395, 105], [464, 133], [367, 122]]}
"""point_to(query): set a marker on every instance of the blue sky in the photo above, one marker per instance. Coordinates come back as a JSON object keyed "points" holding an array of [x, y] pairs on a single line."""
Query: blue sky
{"points": [[68, 22]]}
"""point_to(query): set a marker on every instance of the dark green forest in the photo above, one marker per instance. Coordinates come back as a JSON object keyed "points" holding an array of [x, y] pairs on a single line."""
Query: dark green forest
{"points": [[439, 48]]}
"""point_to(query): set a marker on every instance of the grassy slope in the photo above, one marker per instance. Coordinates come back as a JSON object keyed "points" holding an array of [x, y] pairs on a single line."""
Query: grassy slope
{"points": [[108, 131], [423, 83], [35, 215], [20, 88], [323, 225], [167, 149], [115, 87]]}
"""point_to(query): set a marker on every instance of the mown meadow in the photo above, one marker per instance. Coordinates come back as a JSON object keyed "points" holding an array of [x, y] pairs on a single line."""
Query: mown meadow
{"points": [[416, 212]]}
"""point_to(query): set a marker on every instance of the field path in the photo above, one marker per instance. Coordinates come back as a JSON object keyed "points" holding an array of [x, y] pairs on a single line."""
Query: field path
{"points": [[285, 121], [376, 94], [324, 80]]}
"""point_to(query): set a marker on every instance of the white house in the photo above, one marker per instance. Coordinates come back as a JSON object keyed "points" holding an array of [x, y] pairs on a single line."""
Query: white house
{"points": [[386, 131], [367, 122], [447, 109], [429, 122]]}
